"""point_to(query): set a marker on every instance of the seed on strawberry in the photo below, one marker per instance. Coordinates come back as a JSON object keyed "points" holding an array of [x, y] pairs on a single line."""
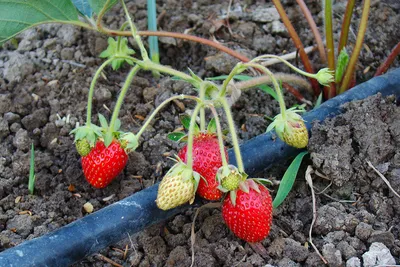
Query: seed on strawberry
{"points": [[251, 217], [103, 163], [177, 187], [206, 161]]}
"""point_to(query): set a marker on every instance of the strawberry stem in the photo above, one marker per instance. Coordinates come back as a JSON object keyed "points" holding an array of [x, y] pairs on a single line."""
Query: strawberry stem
{"points": [[162, 105], [276, 86], [219, 134], [135, 35], [202, 111], [232, 130], [121, 97], [189, 158], [91, 90]]}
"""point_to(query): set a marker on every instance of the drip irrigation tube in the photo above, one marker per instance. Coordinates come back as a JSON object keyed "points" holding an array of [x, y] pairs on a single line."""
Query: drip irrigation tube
{"points": [[109, 225]]}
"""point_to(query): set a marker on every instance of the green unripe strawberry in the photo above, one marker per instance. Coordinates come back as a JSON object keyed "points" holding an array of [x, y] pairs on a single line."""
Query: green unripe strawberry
{"points": [[229, 178], [297, 136], [177, 187], [290, 128], [83, 147]]}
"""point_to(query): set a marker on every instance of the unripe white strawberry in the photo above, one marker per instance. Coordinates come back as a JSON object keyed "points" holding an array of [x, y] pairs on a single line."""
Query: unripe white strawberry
{"points": [[177, 187], [297, 135]]}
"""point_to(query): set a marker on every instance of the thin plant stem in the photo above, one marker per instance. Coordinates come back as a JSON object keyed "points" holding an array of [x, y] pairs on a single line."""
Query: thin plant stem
{"points": [[184, 37], [344, 33], [389, 60], [299, 45], [121, 96], [329, 34], [202, 94], [189, 157], [124, 25], [230, 77], [91, 90], [101, 15], [161, 106], [219, 134], [275, 84], [329, 91], [314, 29], [134, 33], [232, 130], [348, 75]]}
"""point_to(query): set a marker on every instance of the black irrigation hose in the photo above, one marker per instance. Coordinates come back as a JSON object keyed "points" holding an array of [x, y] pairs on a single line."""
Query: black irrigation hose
{"points": [[109, 225]]}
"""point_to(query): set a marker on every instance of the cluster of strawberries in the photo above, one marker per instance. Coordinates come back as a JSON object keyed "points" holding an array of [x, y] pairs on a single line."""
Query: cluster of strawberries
{"points": [[247, 209]]}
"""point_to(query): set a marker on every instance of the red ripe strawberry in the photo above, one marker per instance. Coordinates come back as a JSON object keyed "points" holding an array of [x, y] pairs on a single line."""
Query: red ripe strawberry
{"points": [[206, 161], [251, 218], [103, 163]]}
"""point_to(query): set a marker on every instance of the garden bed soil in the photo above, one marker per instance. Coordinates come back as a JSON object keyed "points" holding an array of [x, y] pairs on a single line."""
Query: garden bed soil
{"points": [[45, 80]]}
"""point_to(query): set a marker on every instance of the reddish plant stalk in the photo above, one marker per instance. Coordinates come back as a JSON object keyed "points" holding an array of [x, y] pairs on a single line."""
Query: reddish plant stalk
{"points": [[184, 37], [296, 93], [389, 60], [314, 29], [296, 40], [344, 33], [329, 91], [357, 48]]}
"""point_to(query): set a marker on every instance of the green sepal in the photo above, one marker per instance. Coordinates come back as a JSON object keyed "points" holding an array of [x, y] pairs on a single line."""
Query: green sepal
{"points": [[176, 136], [185, 120], [131, 140], [232, 194], [108, 138], [212, 126], [114, 51], [103, 121], [90, 133]]}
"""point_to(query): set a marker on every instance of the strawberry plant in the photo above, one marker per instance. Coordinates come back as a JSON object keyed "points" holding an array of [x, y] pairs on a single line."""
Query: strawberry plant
{"points": [[202, 165]]}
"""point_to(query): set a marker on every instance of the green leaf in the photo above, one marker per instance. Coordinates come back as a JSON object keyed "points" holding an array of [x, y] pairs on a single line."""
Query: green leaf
{"points": [[84, 7], [343, 60], [212, 126], [288, 180], [117, 125], [103, 121], [19, 15], [319, 101], [176, 136], [32, 177], [97, 5]]}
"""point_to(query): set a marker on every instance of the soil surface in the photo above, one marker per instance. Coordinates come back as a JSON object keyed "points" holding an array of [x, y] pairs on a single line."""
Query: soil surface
{"points": [[44, 82]]}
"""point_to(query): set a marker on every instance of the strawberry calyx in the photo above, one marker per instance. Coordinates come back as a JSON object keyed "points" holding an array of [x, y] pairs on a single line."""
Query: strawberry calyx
{"points": [[229, 178], [245, 185]]}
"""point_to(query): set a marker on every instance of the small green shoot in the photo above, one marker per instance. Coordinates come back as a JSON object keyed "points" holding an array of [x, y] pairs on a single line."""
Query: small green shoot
{"points": [[341, 66], [32, 176], [288, 180]]}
